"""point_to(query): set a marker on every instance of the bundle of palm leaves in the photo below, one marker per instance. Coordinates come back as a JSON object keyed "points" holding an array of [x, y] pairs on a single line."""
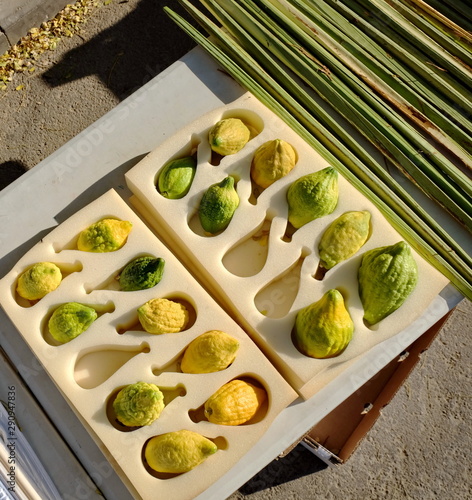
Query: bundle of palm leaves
{"points": [[396, 72]]}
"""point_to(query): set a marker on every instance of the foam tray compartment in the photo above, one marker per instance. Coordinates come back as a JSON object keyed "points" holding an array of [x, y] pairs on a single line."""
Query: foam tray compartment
{"points": [[115, 352], [261, 274]]}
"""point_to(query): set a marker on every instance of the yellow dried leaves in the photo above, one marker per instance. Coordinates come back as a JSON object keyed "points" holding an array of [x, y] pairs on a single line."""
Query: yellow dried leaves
{"points": [[67, 23]]}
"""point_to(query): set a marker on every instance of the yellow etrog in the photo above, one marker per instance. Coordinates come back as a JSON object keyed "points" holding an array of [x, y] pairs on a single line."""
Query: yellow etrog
{"points": [[38, 280], [178, 451], [325, 328], [106, 235], [228, 136]]}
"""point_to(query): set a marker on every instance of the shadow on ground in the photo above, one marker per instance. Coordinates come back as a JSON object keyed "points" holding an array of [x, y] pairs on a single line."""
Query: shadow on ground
{"points": [[298, 463], [128, 54], [10, 171]]}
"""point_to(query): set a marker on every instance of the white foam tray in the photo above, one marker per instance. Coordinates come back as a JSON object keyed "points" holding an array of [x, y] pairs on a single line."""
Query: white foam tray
{"points": [[262, 280], [90, 368]]}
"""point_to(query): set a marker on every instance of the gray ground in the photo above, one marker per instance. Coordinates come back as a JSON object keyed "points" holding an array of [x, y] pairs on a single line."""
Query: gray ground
{"points": [[419, 448]]}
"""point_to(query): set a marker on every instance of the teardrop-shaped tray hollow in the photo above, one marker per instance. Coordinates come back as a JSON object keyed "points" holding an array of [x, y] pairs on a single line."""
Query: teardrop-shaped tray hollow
{"points": [[198, 414], [95, 366], [173, 366], [66, 270], [169, 393], [276, 298], [256, 191], [290, 230], [101, 309], [133, 324], [320, 273], [248, 257]]}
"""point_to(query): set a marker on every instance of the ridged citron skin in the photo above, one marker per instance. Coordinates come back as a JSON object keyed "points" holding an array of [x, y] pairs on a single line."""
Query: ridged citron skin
{"points": [[106, 235], [70, 320], [272, 161], [176, 177], [325, 328], [178, 452], [159, 316], [138, 404], [38, 280], [218, 205], [344, 237], [312, 196], [387, 276], [141, 273], [228, 136], [210, 352], [234, 403]]}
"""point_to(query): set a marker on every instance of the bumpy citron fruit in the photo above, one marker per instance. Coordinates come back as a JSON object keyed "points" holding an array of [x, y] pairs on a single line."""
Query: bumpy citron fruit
{"points": [[210, 352], [106, 235], [325, 328], [138, 404], [228, 136], [38, 280], [344, 237], [218, 205], [234, 403], [163, 316], [70, 320], [179, 451], [176, 177], [387, 276], [141, 273], [312, 196], [272, 161]]}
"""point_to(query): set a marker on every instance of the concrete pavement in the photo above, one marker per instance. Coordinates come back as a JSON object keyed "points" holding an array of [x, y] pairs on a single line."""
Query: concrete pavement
{"points": [[18, 16]]}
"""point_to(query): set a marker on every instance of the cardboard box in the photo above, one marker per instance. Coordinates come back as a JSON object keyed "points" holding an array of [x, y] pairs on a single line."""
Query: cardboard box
{"points": [[336, 437]]}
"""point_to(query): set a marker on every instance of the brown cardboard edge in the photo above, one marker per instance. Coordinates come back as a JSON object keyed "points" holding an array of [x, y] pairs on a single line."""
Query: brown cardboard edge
{"points": [[391, 378]]}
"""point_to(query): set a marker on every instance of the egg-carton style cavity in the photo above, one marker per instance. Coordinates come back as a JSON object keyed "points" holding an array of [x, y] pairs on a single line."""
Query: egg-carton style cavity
{"points": [[114, 351], [259, 270]]}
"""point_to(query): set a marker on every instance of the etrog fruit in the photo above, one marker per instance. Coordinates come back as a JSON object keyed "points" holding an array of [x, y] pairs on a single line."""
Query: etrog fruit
{"points": [[38, 280], [70, 320], [178, 451], [218, 205], [312, 196], [272, 161], [387, 276], [325, 328], [163, 316], [344, 237], [228, 136], [234, 403], [176, 177], [107, 235], [141, 273], [138, 404], [211, 351]]}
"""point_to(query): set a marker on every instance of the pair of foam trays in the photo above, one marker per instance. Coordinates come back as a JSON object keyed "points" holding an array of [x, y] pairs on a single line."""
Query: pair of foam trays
{"points": [[249, 281]]}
